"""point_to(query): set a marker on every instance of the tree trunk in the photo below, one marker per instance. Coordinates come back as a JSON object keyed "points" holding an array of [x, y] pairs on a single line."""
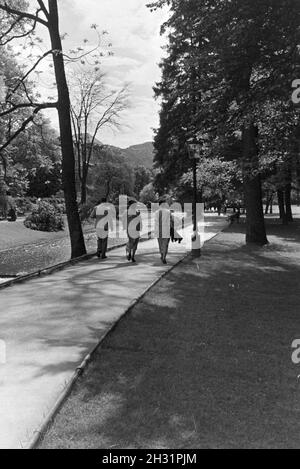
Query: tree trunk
{"points": [[281, 206], [195, 195], [288, 205], [83, 191], [298, 179], [267, 205], [68, 158], [271, 204], [83, 184], [255, 223]]}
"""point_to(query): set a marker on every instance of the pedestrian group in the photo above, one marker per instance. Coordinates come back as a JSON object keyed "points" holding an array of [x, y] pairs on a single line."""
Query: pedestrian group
{"points": [[164, 228]]}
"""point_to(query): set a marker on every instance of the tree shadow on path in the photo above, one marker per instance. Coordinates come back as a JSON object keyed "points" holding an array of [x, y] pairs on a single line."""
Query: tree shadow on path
{"points": [[203, 361]]}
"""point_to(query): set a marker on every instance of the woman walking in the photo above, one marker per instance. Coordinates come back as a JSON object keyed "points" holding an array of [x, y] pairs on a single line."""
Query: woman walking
{"points": [[132, 222], [163, 229], [104, 223]]}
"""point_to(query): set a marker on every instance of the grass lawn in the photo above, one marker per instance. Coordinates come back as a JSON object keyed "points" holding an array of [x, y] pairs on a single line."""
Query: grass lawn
{"points": [[16, 234], [24, 251], [203, 361]]}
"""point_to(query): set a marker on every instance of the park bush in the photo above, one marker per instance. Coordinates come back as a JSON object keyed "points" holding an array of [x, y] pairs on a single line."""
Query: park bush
{"points": [[24, 205], [58, 203], [45, 217]]}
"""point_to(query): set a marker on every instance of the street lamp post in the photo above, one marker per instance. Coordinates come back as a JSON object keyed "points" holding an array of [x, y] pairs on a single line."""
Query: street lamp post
{"points": [[195, 194], [196, 241]]}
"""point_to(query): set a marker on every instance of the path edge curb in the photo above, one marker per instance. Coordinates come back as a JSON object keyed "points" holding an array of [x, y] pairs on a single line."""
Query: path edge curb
{"points": [[85, 362], [61, 266], [40, 433]]}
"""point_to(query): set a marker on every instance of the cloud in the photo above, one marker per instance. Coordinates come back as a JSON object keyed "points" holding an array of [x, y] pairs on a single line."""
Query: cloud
{"points": [[136, 42], [134, 32]]}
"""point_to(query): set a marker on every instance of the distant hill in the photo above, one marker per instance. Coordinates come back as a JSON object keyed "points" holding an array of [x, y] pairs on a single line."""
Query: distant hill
{"points": [[136, 155], [140, 155]]}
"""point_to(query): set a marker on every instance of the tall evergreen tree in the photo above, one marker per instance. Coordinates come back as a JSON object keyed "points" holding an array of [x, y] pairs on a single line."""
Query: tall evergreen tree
{"points": [[228, 61]]}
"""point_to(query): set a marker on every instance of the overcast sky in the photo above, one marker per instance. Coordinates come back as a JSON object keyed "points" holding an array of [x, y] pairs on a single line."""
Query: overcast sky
{"points": [[134, 33]]}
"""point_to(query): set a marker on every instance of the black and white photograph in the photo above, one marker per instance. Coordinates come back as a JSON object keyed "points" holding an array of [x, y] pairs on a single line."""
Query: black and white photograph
{"points": [[149, 228]]}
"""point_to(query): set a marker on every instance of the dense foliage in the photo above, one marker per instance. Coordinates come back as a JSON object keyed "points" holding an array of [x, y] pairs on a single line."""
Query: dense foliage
{"points": [[45, 217], [226, 82]]}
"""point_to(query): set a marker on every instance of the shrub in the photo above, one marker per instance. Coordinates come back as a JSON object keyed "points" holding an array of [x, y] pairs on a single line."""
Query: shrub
{"points": [[26, 205], [148, 195], [45, 217], [23, 205], [57, 203]]}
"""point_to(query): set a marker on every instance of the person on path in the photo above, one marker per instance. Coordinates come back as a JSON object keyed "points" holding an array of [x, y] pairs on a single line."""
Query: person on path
{"points": [[104, 223], [132, 222], [175, 236], [162, 222]]}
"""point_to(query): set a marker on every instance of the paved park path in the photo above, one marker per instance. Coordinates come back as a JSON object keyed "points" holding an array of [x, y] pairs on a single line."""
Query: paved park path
{"points": [[204, 360], [50, 324]]}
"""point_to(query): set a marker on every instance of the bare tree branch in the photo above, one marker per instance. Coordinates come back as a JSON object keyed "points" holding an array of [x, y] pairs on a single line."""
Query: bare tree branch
{"points": [[43, 8], [77, 138], [23, 14], [85, 54], [27, 92], [9, 39], [12, 26], [16, 107], [94, 106], [29, 72], [26, 123]]}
